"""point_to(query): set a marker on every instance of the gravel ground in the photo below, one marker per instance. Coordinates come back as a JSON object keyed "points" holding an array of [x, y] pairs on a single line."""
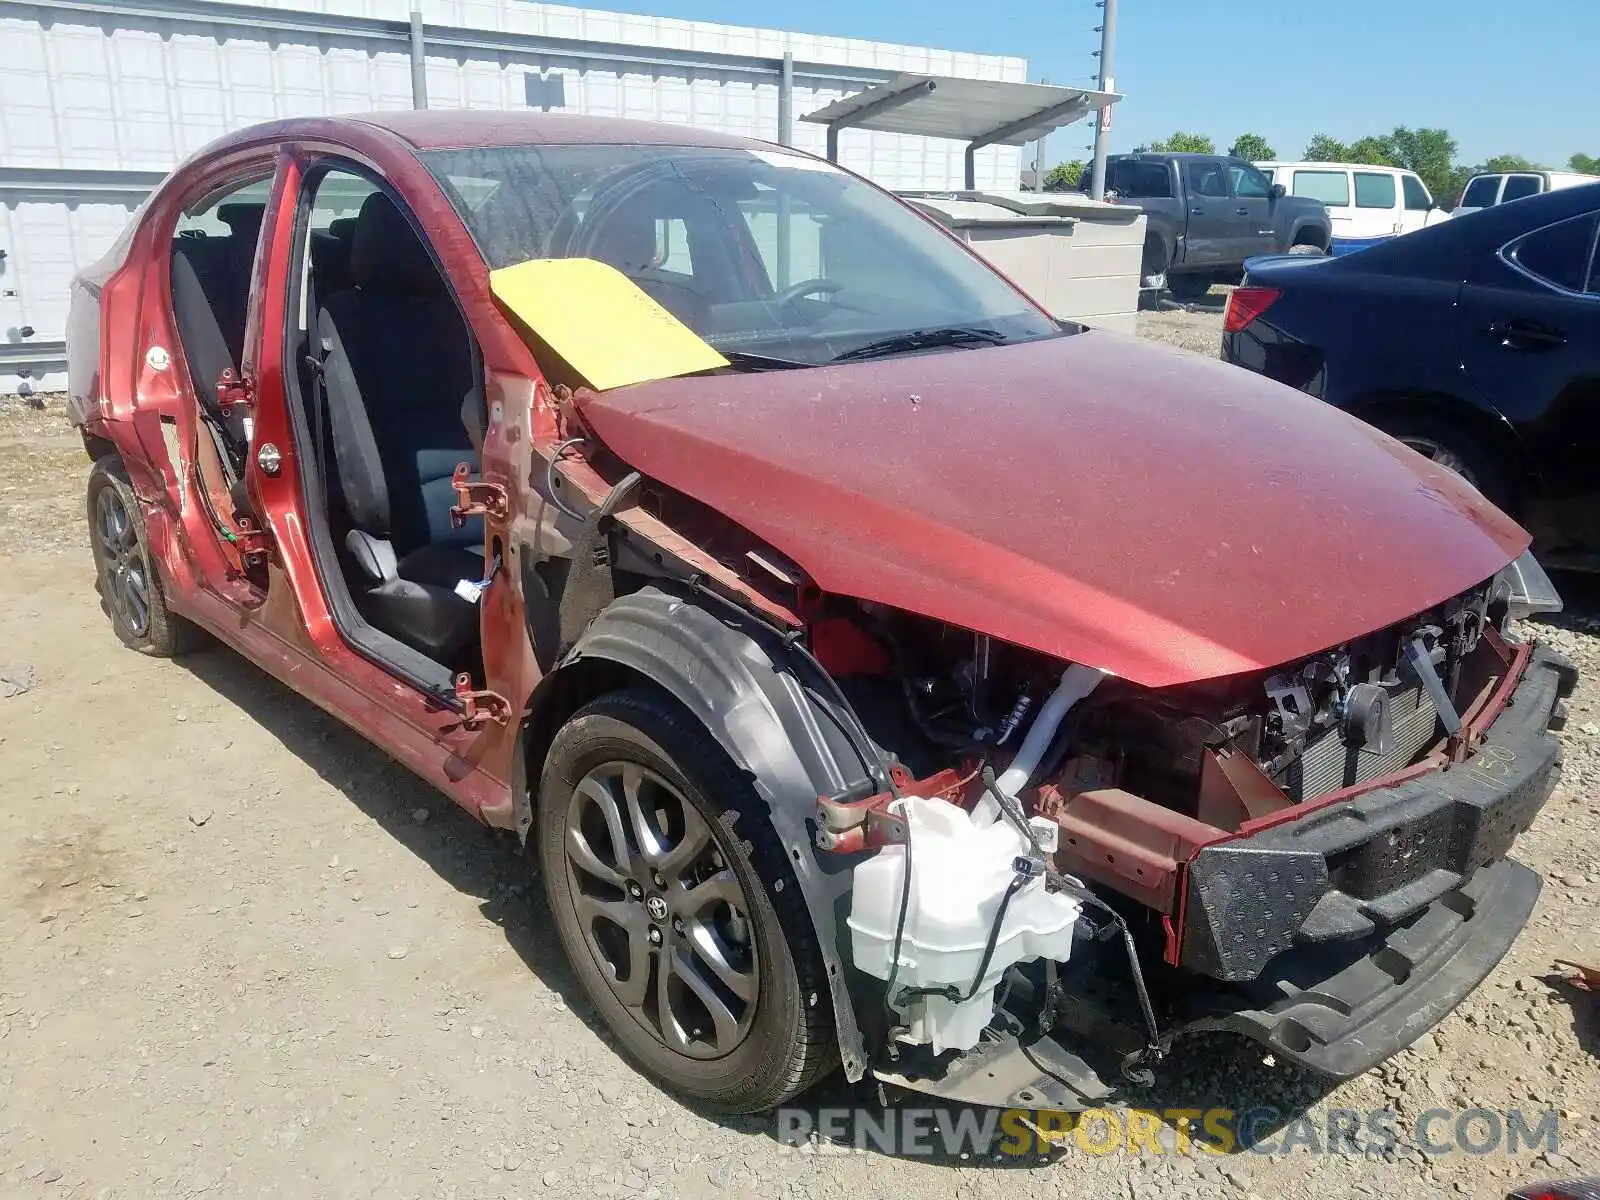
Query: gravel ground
{"points": [[247, 955]]}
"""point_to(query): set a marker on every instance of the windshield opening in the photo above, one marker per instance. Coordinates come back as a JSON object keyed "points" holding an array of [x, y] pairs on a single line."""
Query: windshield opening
{"points": [[765, 254]]}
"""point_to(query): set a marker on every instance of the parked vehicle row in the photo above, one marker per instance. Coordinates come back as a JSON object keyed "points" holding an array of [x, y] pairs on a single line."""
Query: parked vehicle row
{"points": [[794, 589], [1475, 342]]}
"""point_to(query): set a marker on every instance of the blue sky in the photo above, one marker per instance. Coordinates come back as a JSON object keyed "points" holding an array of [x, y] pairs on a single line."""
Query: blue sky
{"points": [[1503, 76]]}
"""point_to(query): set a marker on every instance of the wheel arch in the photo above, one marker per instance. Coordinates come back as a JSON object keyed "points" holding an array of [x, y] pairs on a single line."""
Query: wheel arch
{"points": [[1161, 241], [731, 677], [1486, 425], [1310, 233]]}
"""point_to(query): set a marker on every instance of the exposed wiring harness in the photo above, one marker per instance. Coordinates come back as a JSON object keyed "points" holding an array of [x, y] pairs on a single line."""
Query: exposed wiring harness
{"points": [[550, 487]]}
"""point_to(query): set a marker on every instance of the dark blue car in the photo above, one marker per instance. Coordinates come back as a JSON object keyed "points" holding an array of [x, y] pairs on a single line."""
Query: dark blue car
{"points": [[1475, 342]]}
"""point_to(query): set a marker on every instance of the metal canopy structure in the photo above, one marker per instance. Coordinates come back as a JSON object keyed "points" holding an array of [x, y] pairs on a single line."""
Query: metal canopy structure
{"points": [[980, 112]]}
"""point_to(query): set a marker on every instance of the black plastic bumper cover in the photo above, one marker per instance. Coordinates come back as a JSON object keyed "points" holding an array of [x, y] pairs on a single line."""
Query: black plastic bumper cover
{"points": [[1351, 932], [1401, 986]]}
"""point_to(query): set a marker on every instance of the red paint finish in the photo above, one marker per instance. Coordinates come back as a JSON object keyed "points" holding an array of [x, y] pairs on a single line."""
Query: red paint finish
{"points": [[1157, 515]]}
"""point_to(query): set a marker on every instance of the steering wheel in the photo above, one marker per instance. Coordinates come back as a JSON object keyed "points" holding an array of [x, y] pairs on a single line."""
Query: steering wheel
{"points": [[808, 287]]}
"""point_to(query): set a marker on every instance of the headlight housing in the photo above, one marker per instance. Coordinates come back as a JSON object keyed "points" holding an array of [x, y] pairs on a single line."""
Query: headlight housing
{"points": [[1524, 588]]}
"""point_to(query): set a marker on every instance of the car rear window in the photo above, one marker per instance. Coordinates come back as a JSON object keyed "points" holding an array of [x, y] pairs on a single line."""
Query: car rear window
{"points": [[1481, 192], [1331, 187], [1518, 186], [1374, 190], [1141, 180], [1560, 254]]}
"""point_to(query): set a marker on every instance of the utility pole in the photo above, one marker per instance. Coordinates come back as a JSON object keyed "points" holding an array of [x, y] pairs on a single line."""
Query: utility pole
{"points": [[419, 59], [1039, 166], [1108, 83]]}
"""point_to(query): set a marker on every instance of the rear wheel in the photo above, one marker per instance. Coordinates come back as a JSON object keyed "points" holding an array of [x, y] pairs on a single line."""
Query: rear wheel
{"points": [[125, 575], [1188, 288], [1307, 249], [1455, 449], [1153, 266], [677, 907]]}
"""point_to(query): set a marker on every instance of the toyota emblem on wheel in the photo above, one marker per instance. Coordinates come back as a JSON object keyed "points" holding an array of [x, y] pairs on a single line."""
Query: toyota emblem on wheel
{"points": [[656, 906]]}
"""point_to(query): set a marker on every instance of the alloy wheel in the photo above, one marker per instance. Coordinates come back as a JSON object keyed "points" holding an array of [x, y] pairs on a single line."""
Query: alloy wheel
{"points": [[662, 910], [124, 573]]}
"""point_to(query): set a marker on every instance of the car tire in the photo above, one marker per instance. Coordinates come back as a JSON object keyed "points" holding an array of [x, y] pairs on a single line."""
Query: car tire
{"points": [[1153, 265], [1455, 449], [1188, 288], [126, 577], [1308, 250], [730, 1008]]}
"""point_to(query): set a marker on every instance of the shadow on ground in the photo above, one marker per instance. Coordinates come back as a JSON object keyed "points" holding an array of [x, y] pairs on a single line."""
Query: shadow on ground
{"points": [[1207, 1073]]}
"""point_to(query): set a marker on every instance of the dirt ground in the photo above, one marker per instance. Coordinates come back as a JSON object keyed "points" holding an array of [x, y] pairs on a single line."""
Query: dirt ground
{"points": [[242, 954]]}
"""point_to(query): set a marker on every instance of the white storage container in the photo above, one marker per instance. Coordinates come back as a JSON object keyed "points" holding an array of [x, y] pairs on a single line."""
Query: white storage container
{"points": [[959, 875], [1079, 258]]}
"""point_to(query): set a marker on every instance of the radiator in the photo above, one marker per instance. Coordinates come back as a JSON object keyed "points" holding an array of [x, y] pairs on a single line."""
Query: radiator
{"points": [[1328, 764]]}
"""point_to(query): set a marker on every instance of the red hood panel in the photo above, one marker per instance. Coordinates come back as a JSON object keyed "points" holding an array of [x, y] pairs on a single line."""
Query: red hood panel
{"points": [[1158, 515]]}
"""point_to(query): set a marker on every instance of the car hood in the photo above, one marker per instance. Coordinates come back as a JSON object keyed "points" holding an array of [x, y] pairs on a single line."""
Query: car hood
{"points": [[1158, 515]]}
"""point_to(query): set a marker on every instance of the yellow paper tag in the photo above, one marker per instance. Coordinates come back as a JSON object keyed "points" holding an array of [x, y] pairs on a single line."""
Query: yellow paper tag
{"points": [[600, 322]]}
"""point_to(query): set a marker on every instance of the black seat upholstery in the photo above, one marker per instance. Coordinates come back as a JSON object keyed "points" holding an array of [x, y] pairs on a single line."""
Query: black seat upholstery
{"points": [[398, 373], [210, 299]]}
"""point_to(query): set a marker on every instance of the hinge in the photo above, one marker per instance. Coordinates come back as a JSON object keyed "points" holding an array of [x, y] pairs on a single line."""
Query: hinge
{"points": [[251, 540], [476, 497], [235, 392], [480, 708]]}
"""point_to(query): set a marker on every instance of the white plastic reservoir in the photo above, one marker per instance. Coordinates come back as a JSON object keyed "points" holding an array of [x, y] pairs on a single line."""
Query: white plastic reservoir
{"points": [[959, 874]]}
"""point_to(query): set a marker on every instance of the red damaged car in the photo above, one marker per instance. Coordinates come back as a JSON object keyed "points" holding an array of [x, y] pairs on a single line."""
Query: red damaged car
{"points": [[877, 671]]}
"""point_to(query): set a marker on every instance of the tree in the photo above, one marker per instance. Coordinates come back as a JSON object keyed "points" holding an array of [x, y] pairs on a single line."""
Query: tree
{"points": [[1460, 176], [1185, 143], [1584, 164], [1510, 162], [1431, 153], [1322, 148], [1064, 177], [1374, 151], [1252, 147]]}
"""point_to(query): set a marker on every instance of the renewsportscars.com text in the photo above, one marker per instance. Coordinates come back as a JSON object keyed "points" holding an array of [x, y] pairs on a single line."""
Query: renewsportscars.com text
{"points": [[963, 1132]]}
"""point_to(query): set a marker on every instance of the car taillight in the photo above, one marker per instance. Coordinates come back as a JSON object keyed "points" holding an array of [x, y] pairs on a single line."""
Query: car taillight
{"points": [[1245, 305]]}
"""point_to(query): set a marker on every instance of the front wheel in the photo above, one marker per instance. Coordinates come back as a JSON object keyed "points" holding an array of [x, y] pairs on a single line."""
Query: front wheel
{"points": [[1307, 249], [676, 905]]}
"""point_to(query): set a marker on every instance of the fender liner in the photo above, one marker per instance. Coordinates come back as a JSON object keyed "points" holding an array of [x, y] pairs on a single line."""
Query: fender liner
{"points": [[736, 677]]}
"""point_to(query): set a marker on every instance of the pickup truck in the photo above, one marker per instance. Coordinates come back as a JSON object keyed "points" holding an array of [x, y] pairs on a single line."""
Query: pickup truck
{"points": [[1207, 213]]}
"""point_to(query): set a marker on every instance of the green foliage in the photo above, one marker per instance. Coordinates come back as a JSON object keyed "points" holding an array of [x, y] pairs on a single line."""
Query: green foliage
{"points": [[1064, 177], [1185, 143], [1252, 147], [1510, 162], [1459, 177], [1584, 164], [1322, 148], [1374, 151]]}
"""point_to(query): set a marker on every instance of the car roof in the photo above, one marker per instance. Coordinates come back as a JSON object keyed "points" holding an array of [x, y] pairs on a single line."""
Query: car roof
{"points": [[451, 129], [1339, 166], [1168, 154]]}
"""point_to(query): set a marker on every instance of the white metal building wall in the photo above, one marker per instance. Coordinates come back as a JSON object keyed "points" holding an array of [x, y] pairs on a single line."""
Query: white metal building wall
{"points": [[98, 98]]}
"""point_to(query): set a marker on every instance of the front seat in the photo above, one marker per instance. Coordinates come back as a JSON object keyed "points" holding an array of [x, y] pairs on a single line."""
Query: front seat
{"points": [[398, 373]]}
